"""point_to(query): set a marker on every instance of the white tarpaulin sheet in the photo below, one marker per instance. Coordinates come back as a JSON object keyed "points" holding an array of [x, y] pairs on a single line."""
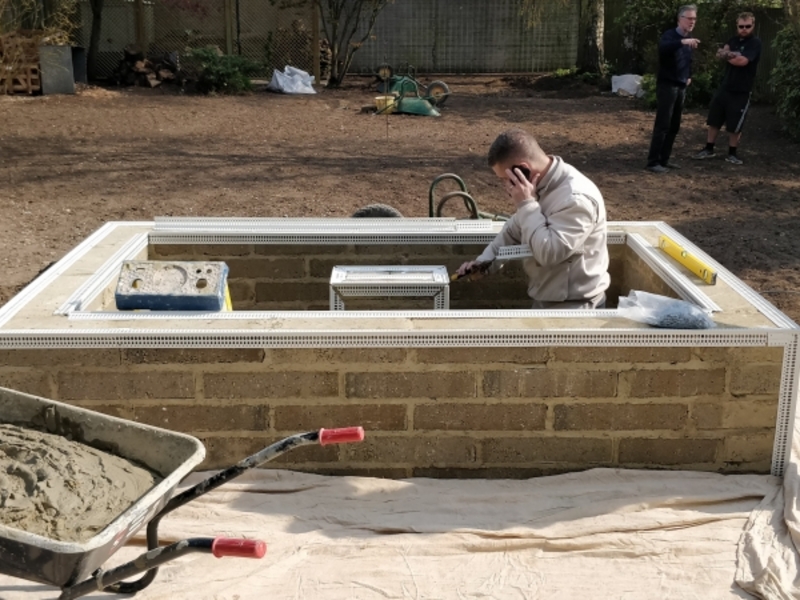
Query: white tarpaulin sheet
{"points": [[603, 533]]}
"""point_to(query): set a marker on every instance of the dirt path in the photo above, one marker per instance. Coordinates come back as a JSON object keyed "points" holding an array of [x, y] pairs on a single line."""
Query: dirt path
{"points": [[68, 164]]}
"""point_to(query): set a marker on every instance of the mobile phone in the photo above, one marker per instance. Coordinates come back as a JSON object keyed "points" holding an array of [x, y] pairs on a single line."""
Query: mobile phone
{"points": [[526, 172]]}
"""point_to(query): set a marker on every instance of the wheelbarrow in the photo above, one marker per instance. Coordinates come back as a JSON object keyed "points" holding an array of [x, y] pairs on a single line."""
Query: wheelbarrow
{"points": [[76, 568], [436, 206], [411, 96]]}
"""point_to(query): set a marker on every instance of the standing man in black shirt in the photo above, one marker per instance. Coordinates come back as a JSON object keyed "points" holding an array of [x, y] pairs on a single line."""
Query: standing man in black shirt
{"points": [[674, 74], [732, 100]]}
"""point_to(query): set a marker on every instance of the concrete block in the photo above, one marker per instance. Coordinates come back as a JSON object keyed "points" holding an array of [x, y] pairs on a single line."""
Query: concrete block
{"points": [[171, 285]]}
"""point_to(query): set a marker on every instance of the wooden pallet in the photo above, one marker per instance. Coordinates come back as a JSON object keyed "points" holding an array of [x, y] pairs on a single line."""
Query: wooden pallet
{"points": [[23, 78], [19, 63]]}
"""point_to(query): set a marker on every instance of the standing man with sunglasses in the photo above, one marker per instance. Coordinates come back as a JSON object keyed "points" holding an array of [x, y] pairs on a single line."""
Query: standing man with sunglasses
{"points": [[731, 101], [674, 74]]}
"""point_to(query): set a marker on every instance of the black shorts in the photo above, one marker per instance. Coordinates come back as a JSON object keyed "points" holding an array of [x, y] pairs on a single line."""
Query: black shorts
{"points": [[729, 108]]}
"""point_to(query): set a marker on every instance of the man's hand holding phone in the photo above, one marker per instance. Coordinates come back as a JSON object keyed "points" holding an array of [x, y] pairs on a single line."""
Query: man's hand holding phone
{"points": [[522, 184]]}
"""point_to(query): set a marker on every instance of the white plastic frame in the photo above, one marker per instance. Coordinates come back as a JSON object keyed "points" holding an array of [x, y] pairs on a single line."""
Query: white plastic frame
{"points": [[237, 231]]}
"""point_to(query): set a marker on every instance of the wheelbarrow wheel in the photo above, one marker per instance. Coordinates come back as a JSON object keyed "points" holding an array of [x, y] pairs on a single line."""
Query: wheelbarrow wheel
{"points": [[377, 210], [438, 93], [384, 72]]}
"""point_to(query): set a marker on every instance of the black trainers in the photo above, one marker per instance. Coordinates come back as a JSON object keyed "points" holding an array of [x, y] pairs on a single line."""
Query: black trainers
{"points": [[657, 169], [733, 159], [704, 153], [672, 166]]}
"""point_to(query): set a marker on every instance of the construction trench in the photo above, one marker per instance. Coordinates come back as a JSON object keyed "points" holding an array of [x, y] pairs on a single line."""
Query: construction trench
{"points": [[450, 380]]}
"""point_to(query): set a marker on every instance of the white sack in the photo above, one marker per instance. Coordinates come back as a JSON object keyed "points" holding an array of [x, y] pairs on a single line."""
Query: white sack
{"points": [[292, 81], [627, 85]]}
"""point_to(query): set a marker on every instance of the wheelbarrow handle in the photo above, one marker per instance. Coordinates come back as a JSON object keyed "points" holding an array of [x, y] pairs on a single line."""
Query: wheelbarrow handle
{"points": [[111, 580], [226, 547], [341, 435], [238, 547]]}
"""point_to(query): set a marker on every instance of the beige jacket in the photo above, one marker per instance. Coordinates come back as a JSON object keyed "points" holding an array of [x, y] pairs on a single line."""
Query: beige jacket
{"points": [[566, 232]]}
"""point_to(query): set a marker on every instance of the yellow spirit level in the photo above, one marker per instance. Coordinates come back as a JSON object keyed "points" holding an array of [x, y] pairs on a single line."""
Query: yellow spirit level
{"points": [[688, 260]]}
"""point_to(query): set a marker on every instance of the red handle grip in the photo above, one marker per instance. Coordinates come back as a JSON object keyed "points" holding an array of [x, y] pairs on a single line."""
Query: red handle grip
{"points": [[341, 435], [238, 547]]}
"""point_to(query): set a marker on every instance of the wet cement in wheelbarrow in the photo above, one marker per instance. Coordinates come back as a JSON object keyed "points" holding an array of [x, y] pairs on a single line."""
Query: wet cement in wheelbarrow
{"points": [[61, 489]]}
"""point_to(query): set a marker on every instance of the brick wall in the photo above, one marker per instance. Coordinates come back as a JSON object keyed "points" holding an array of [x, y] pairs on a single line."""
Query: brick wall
{"points": [[296, 277], [442, 412]]}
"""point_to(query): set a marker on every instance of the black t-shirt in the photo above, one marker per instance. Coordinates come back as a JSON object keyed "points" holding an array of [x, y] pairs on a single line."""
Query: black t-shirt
{"points": [[741, 79]]}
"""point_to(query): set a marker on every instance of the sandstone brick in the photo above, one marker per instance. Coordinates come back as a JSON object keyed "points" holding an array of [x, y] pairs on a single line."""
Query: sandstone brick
{"points": [[616, 354], [192, 355], [410, 385], [511, 450], [123, 411], [343, 356], [750, 413], [483, 356], [382, 417], [284, 384], [36, 382], [501, 294], [620, 417], [759, 354], [467, 251], [756, 379], [321, 268], [226, 451], [197, 417], [655, 452], [417, 450], [396, 251], [101, 357], [110, 385], [502, 384], [480, 417], [572, 383], [311, 454], [749, 448], [617, 252], [292, 292], [241, 291], [171, 251], [707, 415], [712, 355], [682, 383], [264, 268], [302, 249], [451, 263], [222, 251]]}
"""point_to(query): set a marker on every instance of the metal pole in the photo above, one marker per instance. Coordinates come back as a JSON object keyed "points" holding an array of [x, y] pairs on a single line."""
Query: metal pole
{"points": [[238, 30], [315, 47]]}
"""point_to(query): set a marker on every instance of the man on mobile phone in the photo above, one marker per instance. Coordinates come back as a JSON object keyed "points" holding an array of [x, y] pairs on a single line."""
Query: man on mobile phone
{"points": [[560, 215], [674, 75], [731, 101]]}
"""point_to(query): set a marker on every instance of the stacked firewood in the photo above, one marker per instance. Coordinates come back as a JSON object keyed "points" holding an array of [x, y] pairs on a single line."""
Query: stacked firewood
{"points": [[136, 69]]}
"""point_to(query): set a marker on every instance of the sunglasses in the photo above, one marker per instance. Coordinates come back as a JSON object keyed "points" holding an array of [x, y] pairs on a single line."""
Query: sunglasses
{"points": [[745, 26]]}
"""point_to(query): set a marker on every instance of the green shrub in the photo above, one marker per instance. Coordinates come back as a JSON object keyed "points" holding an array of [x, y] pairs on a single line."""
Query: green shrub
{"points": [[223, 73], [698, 94], [649, 89], [564, 73], [705, 81], [785, 79]]}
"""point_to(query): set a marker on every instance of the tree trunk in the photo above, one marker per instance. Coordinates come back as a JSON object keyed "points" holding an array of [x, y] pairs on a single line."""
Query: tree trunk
{"points": [[94, 41], [591, 57]]}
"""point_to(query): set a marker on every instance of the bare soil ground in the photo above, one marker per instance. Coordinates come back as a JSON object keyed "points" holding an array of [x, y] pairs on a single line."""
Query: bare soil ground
{"points": [[70, 163]]}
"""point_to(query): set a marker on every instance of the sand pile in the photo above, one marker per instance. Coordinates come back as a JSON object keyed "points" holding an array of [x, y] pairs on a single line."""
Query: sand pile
{"points": [[61, 489]]}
